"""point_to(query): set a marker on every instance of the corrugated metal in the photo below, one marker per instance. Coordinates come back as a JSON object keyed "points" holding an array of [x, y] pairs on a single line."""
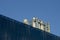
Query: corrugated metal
{"points": [[13, 30]]}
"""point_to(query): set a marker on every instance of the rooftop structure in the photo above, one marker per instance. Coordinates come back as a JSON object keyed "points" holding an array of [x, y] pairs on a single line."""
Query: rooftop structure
{"points": [[38, 24]]}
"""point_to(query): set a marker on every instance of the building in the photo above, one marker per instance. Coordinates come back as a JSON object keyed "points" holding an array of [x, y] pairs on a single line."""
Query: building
{"points": [[11, 29], [38, 24]]}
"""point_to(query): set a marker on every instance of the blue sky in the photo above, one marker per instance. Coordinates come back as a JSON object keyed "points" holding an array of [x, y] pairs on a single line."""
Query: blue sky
{"points": [[46, 10]]}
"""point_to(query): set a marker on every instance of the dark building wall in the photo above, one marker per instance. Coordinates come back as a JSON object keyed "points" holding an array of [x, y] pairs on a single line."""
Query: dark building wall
{"points": [[13, 30]]}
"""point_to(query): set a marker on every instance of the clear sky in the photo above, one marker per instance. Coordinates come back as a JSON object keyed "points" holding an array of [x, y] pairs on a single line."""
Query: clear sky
{"points": [[46, 10]]}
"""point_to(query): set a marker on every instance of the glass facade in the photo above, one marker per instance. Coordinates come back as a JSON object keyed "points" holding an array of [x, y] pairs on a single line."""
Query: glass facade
{"points": [[14, 30]]}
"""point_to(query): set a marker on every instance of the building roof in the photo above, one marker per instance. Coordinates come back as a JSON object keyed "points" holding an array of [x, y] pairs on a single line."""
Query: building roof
{"points": [[11, 29]]}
